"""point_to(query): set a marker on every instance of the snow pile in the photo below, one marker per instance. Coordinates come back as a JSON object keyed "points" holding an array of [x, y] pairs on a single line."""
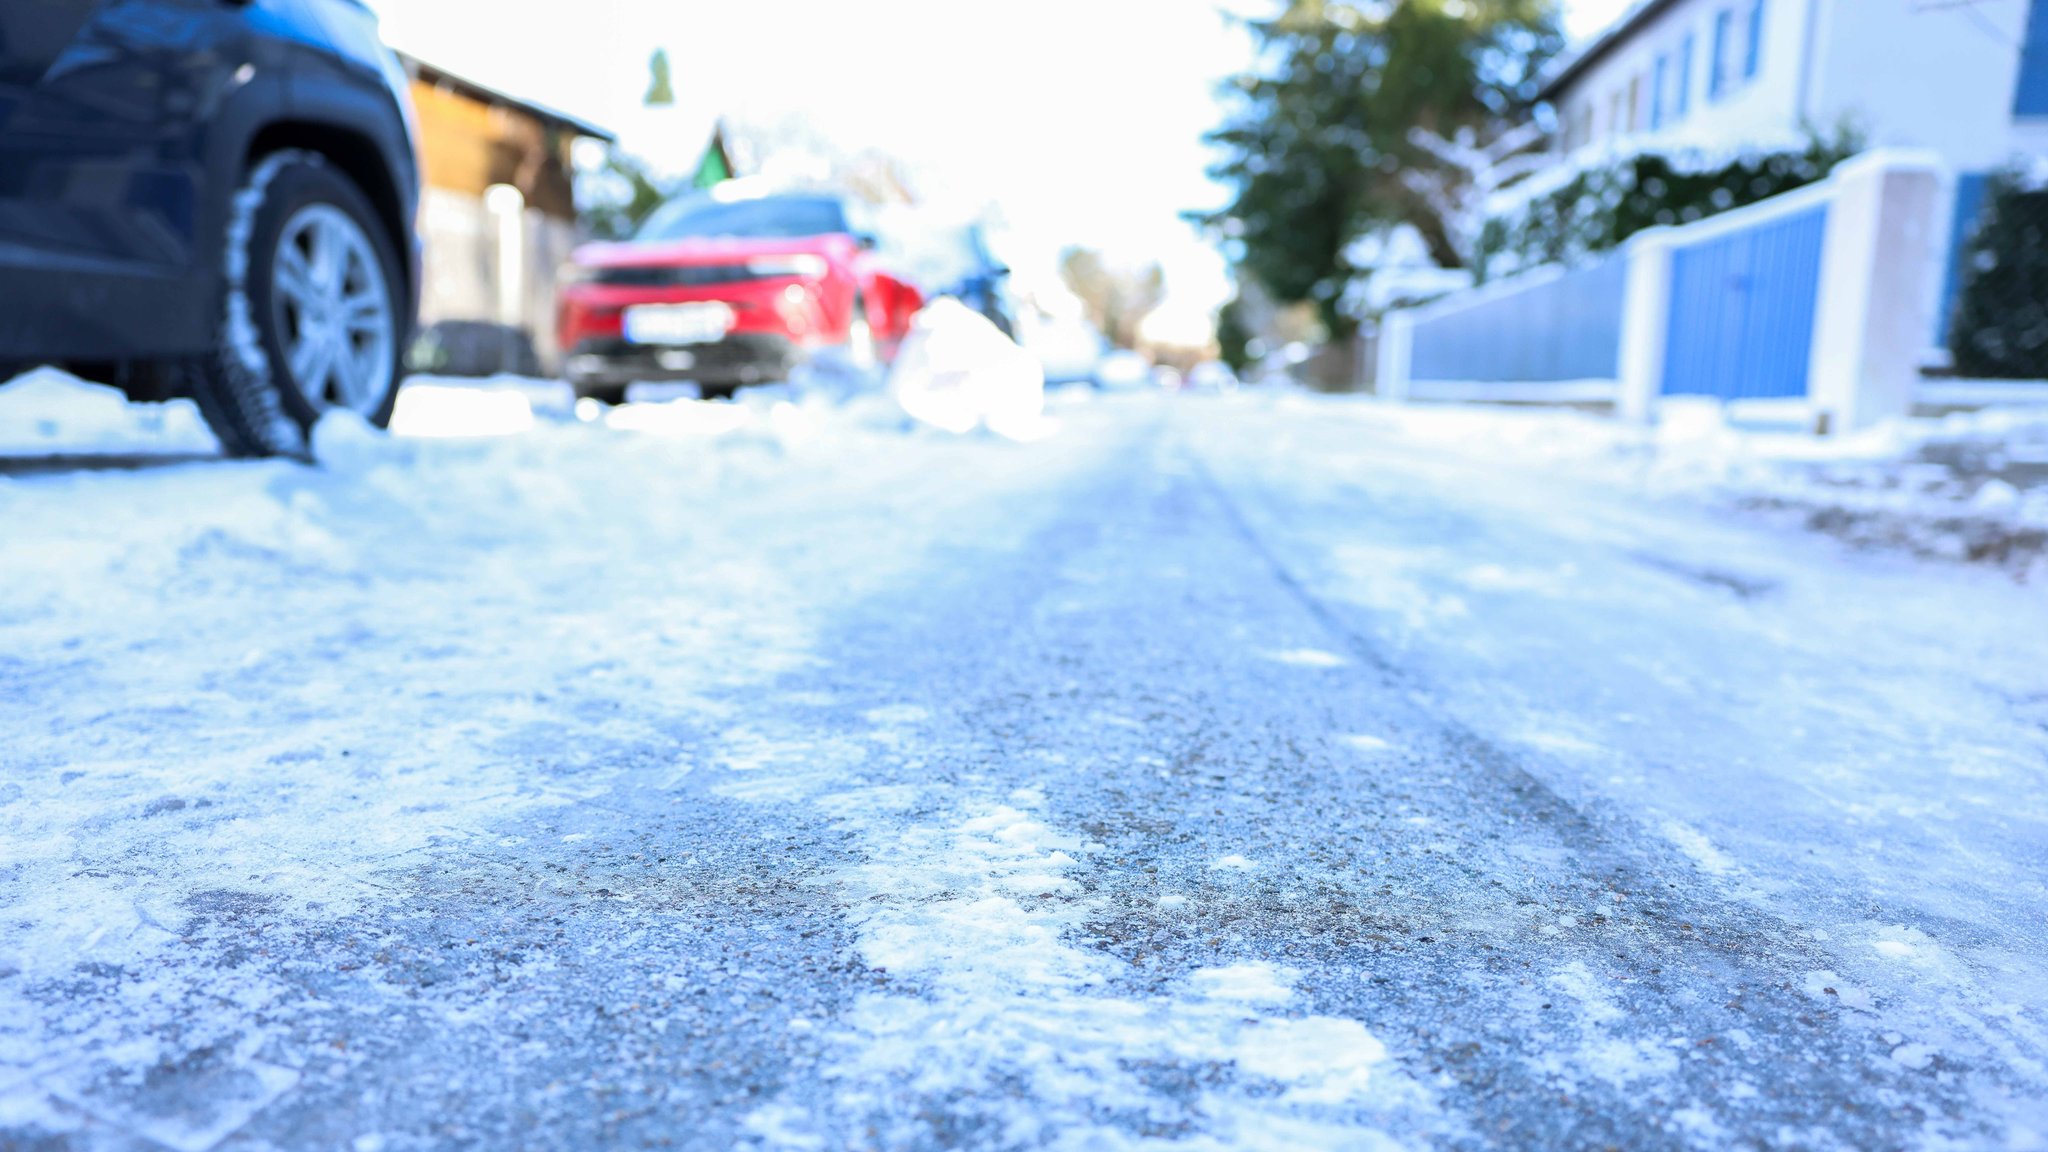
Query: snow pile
{"points": [[957, 371], [1969, 486], [50, 413], [436, 410]]}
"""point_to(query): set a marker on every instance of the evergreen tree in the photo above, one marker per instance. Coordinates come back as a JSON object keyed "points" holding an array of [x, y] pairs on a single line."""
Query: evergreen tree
{"points": [[1234, 336], [2001, 320], [660, 93], [614, 199], [1323, 147]]}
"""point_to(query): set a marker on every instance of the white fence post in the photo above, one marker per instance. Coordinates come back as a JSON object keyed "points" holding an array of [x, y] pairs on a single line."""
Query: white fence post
{"points": [[1881, 250], [1645, 323], [1397, 347]]}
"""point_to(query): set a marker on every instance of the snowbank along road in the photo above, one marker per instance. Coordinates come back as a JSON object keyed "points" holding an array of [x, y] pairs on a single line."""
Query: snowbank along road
{"points": [[1241, 773]]}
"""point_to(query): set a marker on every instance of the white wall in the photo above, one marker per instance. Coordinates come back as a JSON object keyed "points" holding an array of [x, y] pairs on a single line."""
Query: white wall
{"points": [[1923, 75], [2030, 137], [1936, 74], [460, 266], [1762, 109]]}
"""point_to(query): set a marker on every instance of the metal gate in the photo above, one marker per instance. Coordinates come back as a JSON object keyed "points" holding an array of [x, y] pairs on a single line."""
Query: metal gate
{"points": [[1556, 328], [1742, 310]]}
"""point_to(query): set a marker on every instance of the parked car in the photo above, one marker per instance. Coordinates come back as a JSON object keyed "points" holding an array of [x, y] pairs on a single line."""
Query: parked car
{"points": [[984, 283], [1070, 348], [1211, 376], [209, 199], [1121, 370], [728, 290]]}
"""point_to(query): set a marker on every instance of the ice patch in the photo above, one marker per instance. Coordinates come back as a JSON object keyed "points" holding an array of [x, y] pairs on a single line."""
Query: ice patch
{"points": [[1698, 848], [1601, 1051], [1622, 1062], [1826, 985], [1914, 947], [1308, 658], [1914, 1056], [895, 715], [189, 1106], [1255, 983], [1321, 1059], [1232, 863], [1495, 578], [1559, 742], [998, 1007], [1577, 981], [1367, 743]]}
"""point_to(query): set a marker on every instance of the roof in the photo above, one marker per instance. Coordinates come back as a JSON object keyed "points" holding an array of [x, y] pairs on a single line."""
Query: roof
{"points": [[1598, 48], [442, 78]]}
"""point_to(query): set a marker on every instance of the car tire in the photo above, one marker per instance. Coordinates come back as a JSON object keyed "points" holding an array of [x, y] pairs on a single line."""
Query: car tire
{"points": [[612, 395], [315, 311]]}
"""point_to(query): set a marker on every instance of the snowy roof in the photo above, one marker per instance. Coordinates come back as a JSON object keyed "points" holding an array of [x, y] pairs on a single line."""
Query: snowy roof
{"points": [[441, 77], [1575, 63]]}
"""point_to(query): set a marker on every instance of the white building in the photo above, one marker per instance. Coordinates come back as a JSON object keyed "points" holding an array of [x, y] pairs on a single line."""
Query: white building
{"points": [[1966, 78]]}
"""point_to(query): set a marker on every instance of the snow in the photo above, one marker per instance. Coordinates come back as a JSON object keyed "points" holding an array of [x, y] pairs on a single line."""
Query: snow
{"points": [[251, 710], [982, 918], [47, 413], [1968, 485], [958, 372]]}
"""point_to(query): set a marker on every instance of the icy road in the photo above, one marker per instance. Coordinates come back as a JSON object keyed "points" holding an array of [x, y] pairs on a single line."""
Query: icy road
{"points": [[1262, 773]]}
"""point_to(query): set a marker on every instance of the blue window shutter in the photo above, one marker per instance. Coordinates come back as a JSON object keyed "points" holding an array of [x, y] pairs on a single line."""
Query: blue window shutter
{"points": [[1658, 76], [1717, 64], [1752, 56], [2032, 99], [1684, 102]]}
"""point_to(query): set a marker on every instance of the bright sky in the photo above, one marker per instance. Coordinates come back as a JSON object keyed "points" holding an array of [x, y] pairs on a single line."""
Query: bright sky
{"points": [[1082, 118]]}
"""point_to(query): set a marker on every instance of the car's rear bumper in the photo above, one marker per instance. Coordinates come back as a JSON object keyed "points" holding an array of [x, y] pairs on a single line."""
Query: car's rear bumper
{"points": [[740, 359]]}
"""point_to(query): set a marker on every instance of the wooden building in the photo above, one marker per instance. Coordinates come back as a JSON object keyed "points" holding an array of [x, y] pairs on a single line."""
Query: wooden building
{"points": [[498, 209]]}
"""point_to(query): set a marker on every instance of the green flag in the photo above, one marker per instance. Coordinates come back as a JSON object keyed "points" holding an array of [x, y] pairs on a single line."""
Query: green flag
{"points": [[716, 166]]}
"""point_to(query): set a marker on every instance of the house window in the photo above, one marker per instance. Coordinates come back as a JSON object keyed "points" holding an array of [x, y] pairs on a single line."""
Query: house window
{"points": [[1660, 76], [1635, 102], [1681, 105], [1753, 44], [2033, 91], [1717, 64]]}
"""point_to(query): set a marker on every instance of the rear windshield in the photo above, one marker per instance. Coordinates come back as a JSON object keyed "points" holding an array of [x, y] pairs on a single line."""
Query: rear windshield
{"points": [[768, 218]]}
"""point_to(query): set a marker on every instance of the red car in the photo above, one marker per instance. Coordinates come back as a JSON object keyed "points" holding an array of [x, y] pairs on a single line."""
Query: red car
{"points": [[728, 291]]}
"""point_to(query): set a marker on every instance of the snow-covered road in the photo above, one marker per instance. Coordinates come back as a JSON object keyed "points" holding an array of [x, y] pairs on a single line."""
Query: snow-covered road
{"points": [[1260, 772]]}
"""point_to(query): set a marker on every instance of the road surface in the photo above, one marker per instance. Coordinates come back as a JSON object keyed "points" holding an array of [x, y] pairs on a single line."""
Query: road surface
{"points": [[1242, 773]]}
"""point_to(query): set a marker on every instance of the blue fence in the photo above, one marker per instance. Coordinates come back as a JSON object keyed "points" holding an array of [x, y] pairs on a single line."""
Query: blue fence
{"points": [[1556, 328], [1742, 310]]}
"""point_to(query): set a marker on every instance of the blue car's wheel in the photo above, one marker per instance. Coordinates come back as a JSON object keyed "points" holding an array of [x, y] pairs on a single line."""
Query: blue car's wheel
{"points": [[313, 318]]}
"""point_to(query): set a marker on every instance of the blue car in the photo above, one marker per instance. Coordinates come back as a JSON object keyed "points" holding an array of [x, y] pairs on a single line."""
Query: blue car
{"points": [[209, 198]]}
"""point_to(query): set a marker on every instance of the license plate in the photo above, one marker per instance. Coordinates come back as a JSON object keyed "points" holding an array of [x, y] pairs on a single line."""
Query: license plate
{"points": [[677, 323]]}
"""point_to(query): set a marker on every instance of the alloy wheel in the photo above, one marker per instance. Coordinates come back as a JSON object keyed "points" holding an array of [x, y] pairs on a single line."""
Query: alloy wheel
{"points": [[333, 310]]}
